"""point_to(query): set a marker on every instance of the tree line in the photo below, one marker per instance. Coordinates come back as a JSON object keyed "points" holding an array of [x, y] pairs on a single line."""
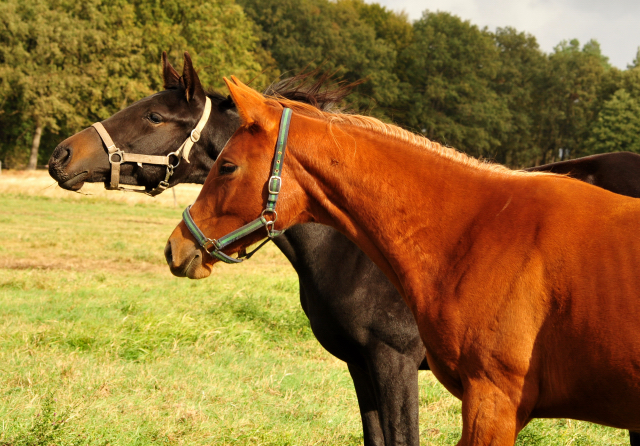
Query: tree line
{"points": [[492, 94]]}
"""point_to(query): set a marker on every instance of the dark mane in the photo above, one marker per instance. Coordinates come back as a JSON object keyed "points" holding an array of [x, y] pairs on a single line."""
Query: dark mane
{"points": [[222, 101], [314, 88]]}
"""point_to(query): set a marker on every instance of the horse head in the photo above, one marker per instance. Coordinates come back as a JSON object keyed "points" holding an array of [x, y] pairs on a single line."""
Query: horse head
{"points": [[246, 175], [155, 125]]}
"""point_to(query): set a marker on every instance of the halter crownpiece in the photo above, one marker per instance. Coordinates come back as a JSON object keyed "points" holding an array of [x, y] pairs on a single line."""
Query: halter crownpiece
{"points": [[117, 156], [274, 185]]}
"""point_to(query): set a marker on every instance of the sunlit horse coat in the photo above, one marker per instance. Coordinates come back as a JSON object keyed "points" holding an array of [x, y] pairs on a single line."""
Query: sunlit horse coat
{"points": [[524, 286]]}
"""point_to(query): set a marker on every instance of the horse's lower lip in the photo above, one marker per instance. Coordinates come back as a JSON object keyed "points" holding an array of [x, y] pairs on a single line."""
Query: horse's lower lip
{"points": [[76, 182]]}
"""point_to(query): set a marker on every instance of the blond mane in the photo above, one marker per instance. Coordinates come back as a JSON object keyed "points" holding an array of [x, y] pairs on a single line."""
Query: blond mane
{"points": [[393, 131]]}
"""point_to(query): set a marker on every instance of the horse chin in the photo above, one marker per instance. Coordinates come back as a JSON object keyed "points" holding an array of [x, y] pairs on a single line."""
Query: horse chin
{"points": [[201, 272], [195, 269], [76, 182]]}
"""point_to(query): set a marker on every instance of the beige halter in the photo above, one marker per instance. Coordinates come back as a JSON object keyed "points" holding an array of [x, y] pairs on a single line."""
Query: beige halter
{"points": [[117, 156]]}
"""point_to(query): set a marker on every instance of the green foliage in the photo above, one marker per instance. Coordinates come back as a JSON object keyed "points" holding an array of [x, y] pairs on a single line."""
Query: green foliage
{"points": [[448, 73], [636, 61], [521, 65], [567, 93], [303, 34], [66, 64], [618, 125], [393, 28]]}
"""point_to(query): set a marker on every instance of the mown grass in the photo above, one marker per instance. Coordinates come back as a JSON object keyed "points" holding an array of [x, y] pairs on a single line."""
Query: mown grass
{"points": [[100, 345]]}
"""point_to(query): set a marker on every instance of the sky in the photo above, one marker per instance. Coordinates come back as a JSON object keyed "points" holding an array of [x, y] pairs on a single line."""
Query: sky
{"points": [[615, 24]]}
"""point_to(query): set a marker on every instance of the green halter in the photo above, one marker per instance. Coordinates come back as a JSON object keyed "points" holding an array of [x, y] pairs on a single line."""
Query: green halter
{"points": [[215, 247]]}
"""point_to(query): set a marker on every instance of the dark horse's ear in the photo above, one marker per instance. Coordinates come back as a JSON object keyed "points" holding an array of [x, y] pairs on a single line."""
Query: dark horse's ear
{"points": [[192, 86], [169, 74]]}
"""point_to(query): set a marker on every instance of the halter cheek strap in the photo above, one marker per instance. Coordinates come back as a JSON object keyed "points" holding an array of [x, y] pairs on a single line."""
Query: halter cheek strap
{"points": [[117, 156], [215, 247]]}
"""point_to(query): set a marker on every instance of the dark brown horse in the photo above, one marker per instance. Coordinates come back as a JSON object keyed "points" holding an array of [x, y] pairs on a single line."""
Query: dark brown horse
{"points": [[524, 286], [343, 299], [618, 172]]}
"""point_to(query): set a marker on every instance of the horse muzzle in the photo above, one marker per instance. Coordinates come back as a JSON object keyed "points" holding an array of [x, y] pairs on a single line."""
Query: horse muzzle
{"points": [[74, 160], [185, 258]]}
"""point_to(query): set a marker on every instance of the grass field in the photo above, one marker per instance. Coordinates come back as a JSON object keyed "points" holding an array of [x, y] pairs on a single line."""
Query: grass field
{"points": [[101, 345]]}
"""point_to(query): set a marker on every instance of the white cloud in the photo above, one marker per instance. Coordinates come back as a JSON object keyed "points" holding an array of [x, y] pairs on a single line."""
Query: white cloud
{"points": [[613, 23]]}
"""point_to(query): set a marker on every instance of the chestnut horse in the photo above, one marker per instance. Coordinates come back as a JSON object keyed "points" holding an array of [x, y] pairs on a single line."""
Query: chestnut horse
{"points": [[524, 286]]}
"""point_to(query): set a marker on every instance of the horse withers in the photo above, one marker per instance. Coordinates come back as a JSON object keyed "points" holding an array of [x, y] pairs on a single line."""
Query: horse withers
{"points": [[523, 285]]}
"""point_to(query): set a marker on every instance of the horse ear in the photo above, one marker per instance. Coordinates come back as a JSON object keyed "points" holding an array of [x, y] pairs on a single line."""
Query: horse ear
{"points": [[169, 74], [192, 86], [252, 106]]}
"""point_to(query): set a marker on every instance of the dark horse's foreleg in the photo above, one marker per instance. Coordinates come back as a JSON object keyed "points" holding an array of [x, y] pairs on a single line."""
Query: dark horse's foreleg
{"points": [[388, 398], [634, 438], [395, 379], [369, 413]]}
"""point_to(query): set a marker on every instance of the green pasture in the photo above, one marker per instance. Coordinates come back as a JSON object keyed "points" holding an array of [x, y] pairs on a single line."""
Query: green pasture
{"points": [[100, 345]]}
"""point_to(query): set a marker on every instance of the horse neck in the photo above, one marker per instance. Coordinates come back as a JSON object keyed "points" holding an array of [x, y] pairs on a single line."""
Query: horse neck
{"points": [[404, 205]]}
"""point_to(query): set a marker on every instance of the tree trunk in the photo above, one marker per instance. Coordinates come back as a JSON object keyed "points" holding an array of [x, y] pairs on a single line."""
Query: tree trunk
{"points": [[33, 159]]}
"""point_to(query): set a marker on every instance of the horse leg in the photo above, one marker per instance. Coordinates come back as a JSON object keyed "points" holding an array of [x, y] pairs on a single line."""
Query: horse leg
{"points": [[489, 416], [634, 438], [395, 380], [373, 435]]}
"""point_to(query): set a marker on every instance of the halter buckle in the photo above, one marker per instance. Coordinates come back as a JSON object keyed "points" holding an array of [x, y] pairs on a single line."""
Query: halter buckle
{"points": [[275, 184], [210, 243], [195, 135]]}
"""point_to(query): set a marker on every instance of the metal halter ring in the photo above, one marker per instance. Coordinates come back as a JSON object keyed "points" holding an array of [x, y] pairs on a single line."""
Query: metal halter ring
{"points": [[275, 216], [173, 166], [120, 153], [268, 224]]}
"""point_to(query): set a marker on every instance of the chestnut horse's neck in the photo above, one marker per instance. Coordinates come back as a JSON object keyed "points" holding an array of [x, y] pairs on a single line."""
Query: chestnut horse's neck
{"points": [[410, 202]]}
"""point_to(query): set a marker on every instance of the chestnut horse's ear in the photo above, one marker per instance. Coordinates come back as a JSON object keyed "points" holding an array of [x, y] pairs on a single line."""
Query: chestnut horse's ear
{"points": [[252, 106], [169, 74], [192, 86]]}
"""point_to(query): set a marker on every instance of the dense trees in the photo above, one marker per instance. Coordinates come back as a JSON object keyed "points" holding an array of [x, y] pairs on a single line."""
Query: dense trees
{"points": [[357, 38], [65, 64], [448, 74]]}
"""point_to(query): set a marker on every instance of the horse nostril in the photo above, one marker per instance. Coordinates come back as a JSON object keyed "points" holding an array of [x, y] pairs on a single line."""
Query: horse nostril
{"points": [[61, 155], [167, 253]]}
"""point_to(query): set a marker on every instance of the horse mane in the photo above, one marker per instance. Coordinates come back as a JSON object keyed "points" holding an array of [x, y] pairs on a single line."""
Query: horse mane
{"points": [[316, 88], [393, 131]]}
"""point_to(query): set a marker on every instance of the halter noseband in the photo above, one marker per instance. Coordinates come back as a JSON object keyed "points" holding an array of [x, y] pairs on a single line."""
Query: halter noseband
{"points": [[117, 156], [215, 247]]}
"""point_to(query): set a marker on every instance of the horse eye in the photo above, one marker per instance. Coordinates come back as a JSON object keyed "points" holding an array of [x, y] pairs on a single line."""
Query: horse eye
{"points": [[154, 118], [227, 168]]}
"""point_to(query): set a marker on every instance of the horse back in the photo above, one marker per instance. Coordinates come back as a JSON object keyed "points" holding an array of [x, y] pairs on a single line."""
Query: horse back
{"points": [[617, 172]]}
